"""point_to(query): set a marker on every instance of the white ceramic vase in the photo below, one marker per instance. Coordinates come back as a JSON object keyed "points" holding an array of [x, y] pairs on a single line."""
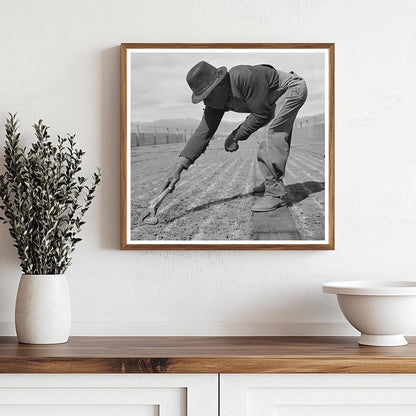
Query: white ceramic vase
{"points": [[43, 309]]}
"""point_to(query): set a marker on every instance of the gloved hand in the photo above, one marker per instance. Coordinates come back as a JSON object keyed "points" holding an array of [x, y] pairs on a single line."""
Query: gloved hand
{"points": [[173, 177], [231, 145]]}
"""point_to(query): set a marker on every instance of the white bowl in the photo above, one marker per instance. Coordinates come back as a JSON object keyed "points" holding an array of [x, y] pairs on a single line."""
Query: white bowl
{"points": [[381, 311]]}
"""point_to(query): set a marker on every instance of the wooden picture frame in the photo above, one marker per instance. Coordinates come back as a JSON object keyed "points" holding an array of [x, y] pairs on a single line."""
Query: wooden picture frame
{"points": [[154, 92]]}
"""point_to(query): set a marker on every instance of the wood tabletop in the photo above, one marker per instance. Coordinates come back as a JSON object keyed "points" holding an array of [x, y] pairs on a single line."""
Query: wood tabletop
{"points": [[206, 355]]}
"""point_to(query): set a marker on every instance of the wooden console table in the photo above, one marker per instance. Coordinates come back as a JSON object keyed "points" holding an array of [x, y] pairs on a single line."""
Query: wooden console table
{"points": [[206, 376], [206, 355]]}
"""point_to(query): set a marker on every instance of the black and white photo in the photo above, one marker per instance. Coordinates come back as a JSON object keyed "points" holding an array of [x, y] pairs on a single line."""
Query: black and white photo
{"points": [[227, 146]]}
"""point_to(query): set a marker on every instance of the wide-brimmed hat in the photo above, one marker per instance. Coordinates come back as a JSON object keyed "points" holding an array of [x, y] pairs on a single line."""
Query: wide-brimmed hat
{"points": [[203, 78]]}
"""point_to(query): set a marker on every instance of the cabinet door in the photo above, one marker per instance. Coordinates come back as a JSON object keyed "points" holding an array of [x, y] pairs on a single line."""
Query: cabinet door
{"points": [[318, 394], [108, 395]]}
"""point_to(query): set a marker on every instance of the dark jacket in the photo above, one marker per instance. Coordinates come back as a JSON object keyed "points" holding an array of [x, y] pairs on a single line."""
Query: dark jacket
{"points": [[254, 89]]}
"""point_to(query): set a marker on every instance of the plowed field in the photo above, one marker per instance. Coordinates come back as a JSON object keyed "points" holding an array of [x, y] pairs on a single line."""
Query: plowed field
{"points": [[213, 199]]}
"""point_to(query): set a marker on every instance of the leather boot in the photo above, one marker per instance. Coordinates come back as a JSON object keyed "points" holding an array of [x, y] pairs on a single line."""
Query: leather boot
{"points": [[259, 189], [268, 203], [275, 188]]}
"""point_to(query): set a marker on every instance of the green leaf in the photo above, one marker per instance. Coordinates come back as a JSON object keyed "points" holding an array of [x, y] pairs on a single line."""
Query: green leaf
{"points": [[43, 197]]}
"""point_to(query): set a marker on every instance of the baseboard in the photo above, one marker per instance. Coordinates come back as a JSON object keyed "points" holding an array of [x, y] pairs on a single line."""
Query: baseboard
{"points": [[201, 328]]}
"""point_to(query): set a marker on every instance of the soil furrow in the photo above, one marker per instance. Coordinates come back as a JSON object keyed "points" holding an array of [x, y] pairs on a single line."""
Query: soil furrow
{"points": [[309, 163], [205, 229]]}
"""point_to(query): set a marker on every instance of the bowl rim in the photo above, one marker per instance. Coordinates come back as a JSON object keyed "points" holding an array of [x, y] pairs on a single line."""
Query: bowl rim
{"points": [[371, 288]]}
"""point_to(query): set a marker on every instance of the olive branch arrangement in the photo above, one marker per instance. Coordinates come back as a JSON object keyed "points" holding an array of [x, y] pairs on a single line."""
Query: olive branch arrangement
{"points": [[44, 199]]}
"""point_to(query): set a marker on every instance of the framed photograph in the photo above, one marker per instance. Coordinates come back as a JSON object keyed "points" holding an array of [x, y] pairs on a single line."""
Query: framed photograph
{"points": [[227, 146]]}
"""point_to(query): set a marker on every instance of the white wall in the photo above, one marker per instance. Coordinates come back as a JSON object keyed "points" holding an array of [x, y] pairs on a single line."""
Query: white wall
{"points": [[60, 61]]}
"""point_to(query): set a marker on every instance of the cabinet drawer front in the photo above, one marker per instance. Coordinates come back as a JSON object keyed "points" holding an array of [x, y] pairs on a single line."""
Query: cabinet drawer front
{"points": [[68, 410], [318, 394], [108, 395]]}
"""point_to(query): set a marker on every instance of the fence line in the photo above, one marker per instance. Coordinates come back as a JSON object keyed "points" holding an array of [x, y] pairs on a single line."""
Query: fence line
{"points": [[312, 132], [159, 135], [165, 135]]}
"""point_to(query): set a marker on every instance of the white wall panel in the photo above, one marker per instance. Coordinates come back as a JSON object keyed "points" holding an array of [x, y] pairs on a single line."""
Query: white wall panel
{"points": [[60, 62]]}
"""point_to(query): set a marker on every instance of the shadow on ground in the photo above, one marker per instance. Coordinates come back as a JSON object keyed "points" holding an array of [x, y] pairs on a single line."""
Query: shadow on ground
{"points": [[297, 192], [209, 205]]}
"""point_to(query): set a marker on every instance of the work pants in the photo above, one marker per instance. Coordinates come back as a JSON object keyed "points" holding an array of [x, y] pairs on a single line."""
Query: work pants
{"points": [[276, 136]]}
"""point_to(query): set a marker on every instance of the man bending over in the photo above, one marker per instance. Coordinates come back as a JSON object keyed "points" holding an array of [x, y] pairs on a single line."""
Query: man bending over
{"points": [[273, 99]]}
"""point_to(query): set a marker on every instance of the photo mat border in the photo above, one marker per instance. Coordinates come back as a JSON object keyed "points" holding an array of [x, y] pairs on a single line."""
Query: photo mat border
{"points": [[125, 244]]}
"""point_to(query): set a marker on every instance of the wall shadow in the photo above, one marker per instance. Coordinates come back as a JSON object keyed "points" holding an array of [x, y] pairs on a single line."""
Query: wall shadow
{"points": [[110, 148]]}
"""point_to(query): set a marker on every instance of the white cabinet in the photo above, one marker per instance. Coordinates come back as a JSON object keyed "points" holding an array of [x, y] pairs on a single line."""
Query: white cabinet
{"points": [[197, 394], [109, 394], [317, 394]]}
